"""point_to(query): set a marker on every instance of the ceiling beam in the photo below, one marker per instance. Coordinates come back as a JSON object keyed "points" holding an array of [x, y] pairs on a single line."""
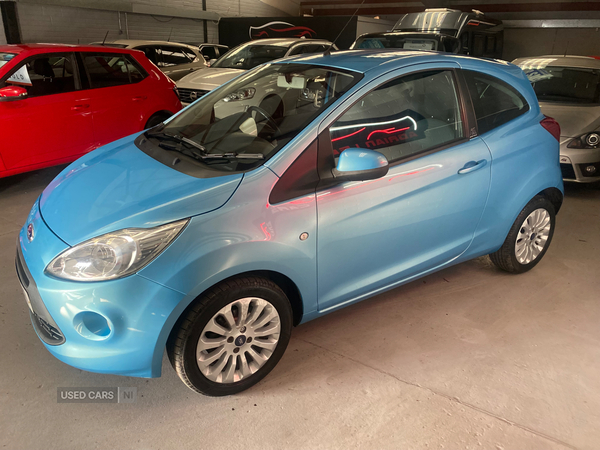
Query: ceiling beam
{"points": [[314, 7]]}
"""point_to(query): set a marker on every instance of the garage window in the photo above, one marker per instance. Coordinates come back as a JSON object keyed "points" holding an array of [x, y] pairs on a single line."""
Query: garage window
{"points": [[495, 101], [403, 117]]}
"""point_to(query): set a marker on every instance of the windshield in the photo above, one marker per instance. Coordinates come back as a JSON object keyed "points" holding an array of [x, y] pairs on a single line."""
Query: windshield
{"points": [[408, 42], [6, 57], [565, 84], [254, 115], [247, 57]]}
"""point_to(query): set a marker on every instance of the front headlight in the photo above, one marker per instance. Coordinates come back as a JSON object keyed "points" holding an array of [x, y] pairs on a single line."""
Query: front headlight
{"points": [[114, 255], [588, 140]]}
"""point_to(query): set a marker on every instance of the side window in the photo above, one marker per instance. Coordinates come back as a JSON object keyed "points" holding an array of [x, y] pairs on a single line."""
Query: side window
{"points": [[44, 75], [106, 70], [495, 101], [136, 72], [209, 53], [150, 53], [174, 56], [403, 117]]}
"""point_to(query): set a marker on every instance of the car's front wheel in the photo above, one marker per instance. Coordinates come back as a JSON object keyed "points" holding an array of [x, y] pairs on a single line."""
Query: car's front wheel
{"points": [[528, 239], [232, 337]]}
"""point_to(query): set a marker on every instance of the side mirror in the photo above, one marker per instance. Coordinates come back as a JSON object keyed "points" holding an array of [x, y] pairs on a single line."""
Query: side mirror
{"points": [[360, 164], [212, 61], [12, 93]]}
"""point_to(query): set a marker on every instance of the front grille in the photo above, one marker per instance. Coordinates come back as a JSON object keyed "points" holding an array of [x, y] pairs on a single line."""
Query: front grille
{"points": [[45, 326], [185, 95], [568, 173]]}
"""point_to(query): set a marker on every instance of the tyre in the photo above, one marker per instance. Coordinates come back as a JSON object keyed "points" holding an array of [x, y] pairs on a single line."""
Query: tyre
{"points": [[232, 337], [155, 119], [528, 239]]}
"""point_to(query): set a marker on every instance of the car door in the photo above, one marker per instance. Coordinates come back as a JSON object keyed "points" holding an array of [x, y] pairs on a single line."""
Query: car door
{"points": [[53, 122], [424, 212], [115, 91], [176, 62]]}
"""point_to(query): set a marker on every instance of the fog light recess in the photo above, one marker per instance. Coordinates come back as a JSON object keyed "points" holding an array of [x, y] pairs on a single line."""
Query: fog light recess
{"points": [[590, 169], [92, 325]]}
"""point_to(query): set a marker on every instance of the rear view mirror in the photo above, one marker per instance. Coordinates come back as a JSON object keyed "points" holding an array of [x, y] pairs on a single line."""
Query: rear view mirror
{"points": [[12, 93], [294, 83], [360, 164], [211, 62]]}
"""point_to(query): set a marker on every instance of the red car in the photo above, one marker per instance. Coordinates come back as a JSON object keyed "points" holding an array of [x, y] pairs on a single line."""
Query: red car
{"points": [[58, 102]]}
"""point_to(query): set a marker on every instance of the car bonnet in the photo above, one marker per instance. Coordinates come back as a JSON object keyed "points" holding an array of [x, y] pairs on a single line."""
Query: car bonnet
{"points": [[119, 186]]}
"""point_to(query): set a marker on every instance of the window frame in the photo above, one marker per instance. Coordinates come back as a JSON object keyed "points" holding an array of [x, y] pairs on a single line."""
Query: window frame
{"points": [[74, 62], [128, 58], [326, 159], [474, 125]]}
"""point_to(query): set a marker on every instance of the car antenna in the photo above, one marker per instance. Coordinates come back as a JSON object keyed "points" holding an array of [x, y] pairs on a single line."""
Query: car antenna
{"points": [[566, 48], [170, 33], [105, 36], [327, 52]]}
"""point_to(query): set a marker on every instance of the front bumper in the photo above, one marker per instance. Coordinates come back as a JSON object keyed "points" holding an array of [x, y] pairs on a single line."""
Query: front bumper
{"points": [[117, 326], [573, 162]]}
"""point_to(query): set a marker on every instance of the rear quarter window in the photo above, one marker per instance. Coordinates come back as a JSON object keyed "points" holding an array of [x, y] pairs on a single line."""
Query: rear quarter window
{"points": [[495, 101]]}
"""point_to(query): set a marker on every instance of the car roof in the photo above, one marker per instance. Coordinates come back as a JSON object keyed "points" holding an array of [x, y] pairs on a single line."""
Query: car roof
{"points": [[56, 48], [284, 42], [367, 60], [135, 42], [584, 62]]}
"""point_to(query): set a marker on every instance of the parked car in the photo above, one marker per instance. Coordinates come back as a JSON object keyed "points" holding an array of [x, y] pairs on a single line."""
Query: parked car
{"points": [[174, 59], [245, 57], [442, 29], [212, 52], [200, 235], [58, 102], [568, 89]]}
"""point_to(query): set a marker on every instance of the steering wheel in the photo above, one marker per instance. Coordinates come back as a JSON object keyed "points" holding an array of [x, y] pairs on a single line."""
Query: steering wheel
{"points": [[266, 115]]}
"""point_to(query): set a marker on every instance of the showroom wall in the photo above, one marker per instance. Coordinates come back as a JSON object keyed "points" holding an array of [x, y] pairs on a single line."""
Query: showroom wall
{"points": [[52, 23], [550, 41], [2, 36]]}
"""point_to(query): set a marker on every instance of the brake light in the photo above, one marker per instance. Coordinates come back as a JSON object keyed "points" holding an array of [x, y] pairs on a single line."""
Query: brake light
{"points": [[551, 126]]}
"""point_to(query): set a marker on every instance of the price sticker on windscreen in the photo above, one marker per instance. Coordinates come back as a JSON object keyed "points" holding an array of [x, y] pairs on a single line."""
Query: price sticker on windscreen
{"points": [[20, 77]]}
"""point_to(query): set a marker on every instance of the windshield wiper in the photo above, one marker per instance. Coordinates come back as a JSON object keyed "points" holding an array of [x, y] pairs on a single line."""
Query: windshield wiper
{"points": [[175, 137], [233, 155]]}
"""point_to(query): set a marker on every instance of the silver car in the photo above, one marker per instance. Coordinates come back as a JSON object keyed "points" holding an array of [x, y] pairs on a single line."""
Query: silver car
{"points": [[568, 89], [242, 58], [175, 60]]}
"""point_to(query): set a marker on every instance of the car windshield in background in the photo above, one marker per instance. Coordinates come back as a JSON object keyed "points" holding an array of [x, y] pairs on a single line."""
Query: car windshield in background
{"points": [[6, 57], [242, 124], [408, 42], [565, 84], [249, 56]]}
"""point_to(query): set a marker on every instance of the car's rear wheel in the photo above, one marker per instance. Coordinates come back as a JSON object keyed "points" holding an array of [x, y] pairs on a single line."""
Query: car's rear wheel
{"points": [[528, 239], [232, 337]]}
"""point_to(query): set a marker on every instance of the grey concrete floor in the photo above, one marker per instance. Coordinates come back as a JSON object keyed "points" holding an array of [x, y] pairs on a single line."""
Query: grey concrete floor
{"points": [[467, 358]]}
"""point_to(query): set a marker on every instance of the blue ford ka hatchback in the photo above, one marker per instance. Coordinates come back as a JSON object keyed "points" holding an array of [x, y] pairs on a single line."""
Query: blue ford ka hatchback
{"points": [[298, 188]]}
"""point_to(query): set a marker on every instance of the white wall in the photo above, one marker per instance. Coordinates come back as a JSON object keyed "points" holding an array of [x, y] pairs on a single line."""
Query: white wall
{"points": [[70, 25]]}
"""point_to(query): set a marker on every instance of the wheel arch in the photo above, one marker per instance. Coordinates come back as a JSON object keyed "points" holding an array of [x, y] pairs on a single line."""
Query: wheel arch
{"points": [[162, 113], [286, 284], [555, 196]]}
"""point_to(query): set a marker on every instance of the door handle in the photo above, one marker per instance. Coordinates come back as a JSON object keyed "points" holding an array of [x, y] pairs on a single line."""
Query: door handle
{"points": [[79, 107], [472, 166], [139, 99]]}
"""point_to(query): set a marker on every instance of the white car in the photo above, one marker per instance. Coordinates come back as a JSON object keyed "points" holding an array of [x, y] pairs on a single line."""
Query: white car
{"points": [[242, 58], [568, 89], [175, 60]]}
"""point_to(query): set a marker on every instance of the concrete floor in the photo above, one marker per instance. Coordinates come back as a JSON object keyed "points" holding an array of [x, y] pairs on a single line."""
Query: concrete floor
{"points": [[467, 358]]}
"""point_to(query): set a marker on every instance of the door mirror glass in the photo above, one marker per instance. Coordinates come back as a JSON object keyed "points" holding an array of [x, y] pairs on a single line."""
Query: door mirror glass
{"points": [[12, 93], [359, 164]]}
